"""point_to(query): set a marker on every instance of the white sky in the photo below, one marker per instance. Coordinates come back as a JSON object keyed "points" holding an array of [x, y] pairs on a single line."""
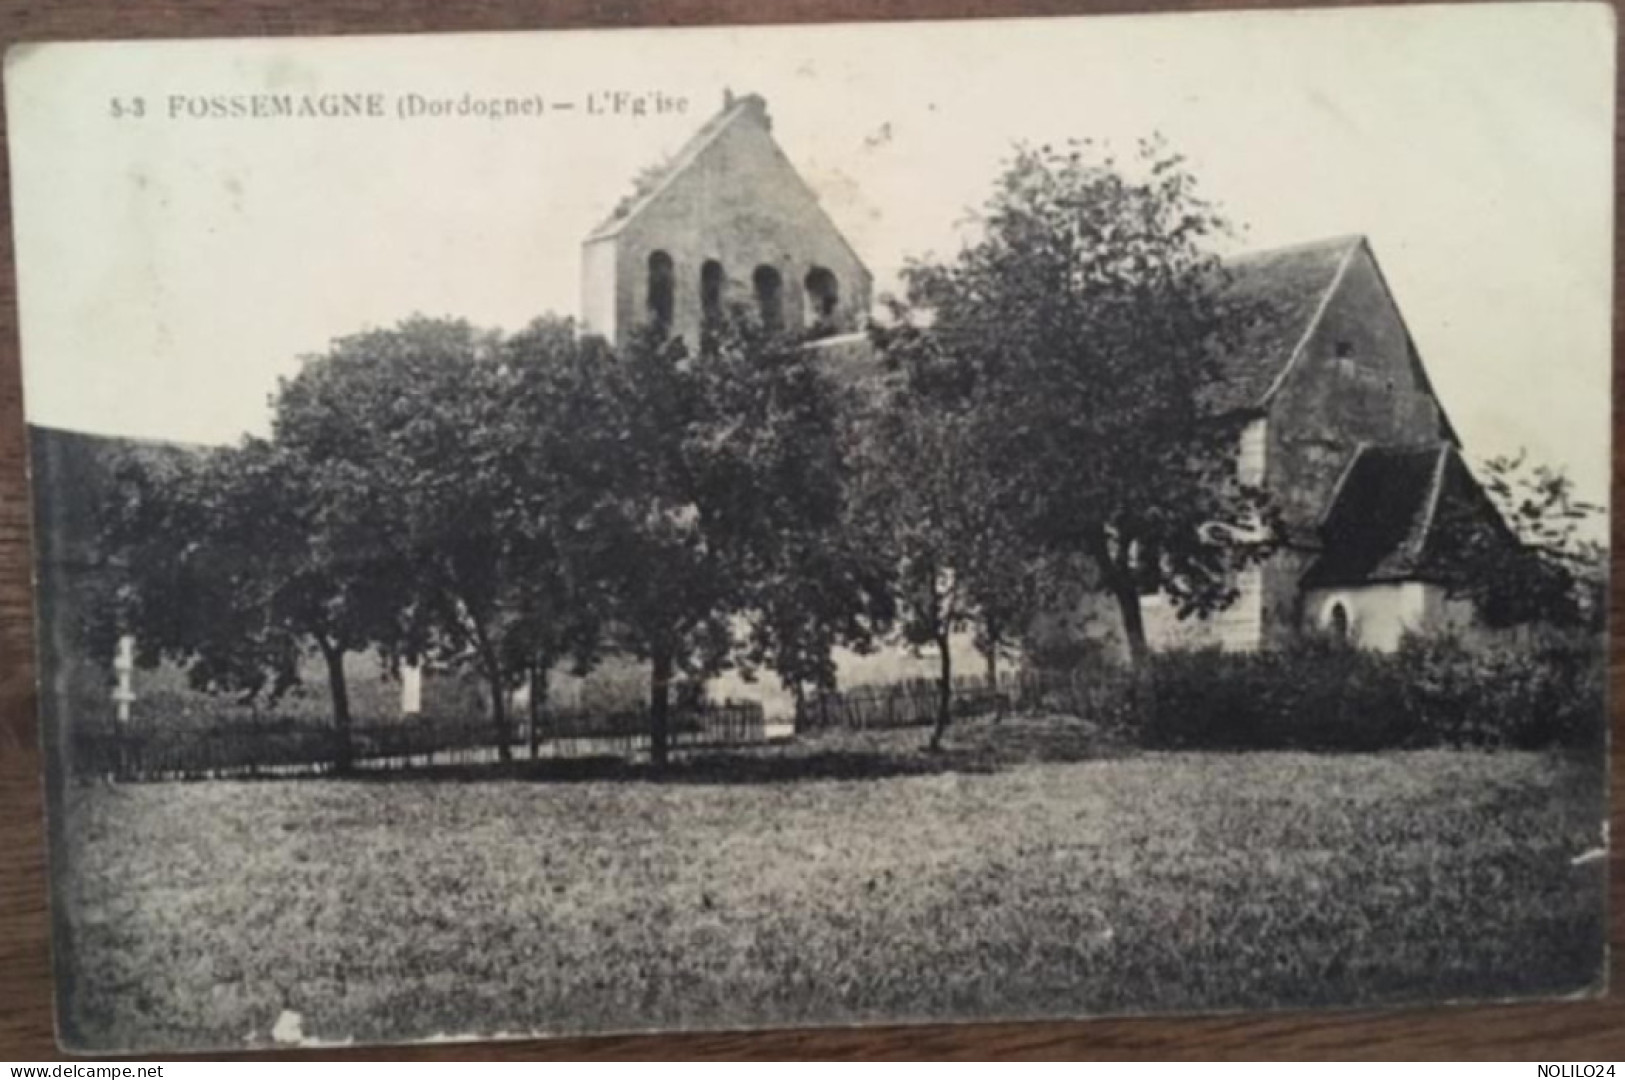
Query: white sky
{"points": [[172, 270]]}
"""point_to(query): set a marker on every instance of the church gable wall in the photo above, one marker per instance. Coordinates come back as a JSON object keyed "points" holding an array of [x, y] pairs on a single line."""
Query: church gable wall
{"points": [[741, 206], [1356, 380]]}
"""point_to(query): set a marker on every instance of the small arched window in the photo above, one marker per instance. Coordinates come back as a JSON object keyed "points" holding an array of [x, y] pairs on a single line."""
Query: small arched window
{"points": [[769, 288], [712, 279], [823, 294], [662, 287], [1338, 622]]}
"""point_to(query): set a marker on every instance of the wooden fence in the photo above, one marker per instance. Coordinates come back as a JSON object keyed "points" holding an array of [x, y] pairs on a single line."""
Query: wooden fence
{"points": [[897, 705], [303, 746], [1096, 693], [299, 748]]}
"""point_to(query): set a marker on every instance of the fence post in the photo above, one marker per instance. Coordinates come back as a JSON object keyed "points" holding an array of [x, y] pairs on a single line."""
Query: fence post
{"points": [[123, 697], [411, 690]]}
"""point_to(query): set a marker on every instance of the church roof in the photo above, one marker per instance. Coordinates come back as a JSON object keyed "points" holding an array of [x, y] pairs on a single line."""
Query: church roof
{"points": [[1290, 287], [1400, 513], [749, 108]]}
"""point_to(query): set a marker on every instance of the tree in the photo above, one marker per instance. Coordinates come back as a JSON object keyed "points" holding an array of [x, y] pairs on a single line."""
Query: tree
{"points": [[1000, 572], [561, 421], [423, 449], [933, 506], [821, 590], [1007, 585], [671, 594], [231, 572], [1083, 325], [728, 506], [777, 431], [1540, 562]]}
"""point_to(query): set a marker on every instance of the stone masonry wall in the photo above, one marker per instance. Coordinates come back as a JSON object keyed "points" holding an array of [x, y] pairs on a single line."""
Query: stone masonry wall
{"points": [[741, 203]]}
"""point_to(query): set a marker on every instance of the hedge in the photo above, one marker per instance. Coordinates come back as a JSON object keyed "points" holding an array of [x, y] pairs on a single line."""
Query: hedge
{"points": [[1537, 689]]}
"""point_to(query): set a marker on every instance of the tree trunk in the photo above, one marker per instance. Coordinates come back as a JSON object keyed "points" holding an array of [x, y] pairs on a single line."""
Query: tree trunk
{"points": [[945, 694], [492, 663], [499, 720], [990, 635], [1128, 603], [500, 728], [992, 655], [538, 705], [1118, 578], [659, 707], [344, 759]]}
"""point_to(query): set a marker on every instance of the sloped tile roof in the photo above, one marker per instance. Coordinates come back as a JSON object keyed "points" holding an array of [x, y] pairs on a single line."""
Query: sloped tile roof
{"points": [[1287, 288], [1400, 513]]}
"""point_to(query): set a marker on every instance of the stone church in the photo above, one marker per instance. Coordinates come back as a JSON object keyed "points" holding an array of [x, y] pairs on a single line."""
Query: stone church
{"points": [[1346, 433], [1342, 425]]}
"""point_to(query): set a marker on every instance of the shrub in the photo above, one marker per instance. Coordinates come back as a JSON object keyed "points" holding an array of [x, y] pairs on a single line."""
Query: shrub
{"points": [[1536, 689], [1313, 696]]}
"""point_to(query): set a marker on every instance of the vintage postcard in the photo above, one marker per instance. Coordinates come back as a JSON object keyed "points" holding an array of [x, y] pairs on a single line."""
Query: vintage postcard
{"points": [[615, 531]]}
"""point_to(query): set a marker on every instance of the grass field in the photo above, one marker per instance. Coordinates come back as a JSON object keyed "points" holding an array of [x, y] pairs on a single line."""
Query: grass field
{"points": [[1027, 872]]}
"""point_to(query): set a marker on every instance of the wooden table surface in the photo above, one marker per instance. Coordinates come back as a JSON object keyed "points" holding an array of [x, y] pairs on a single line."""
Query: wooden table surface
{"points": [[1559, 1032]]}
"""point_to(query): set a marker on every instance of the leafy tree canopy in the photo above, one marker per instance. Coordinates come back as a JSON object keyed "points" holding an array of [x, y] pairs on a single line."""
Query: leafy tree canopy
{"points": [[1552, 568], [1082, 324]]}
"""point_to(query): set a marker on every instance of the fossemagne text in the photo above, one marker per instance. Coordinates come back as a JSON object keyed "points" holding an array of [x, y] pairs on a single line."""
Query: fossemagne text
{"points": [[378, 105]]}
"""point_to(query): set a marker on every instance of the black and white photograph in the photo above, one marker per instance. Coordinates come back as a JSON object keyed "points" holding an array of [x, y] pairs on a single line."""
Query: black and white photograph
{"points": [[567, 532]]}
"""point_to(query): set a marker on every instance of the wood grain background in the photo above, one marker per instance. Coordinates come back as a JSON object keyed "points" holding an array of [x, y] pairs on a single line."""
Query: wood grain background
{"points": [[1559, 1032]]}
